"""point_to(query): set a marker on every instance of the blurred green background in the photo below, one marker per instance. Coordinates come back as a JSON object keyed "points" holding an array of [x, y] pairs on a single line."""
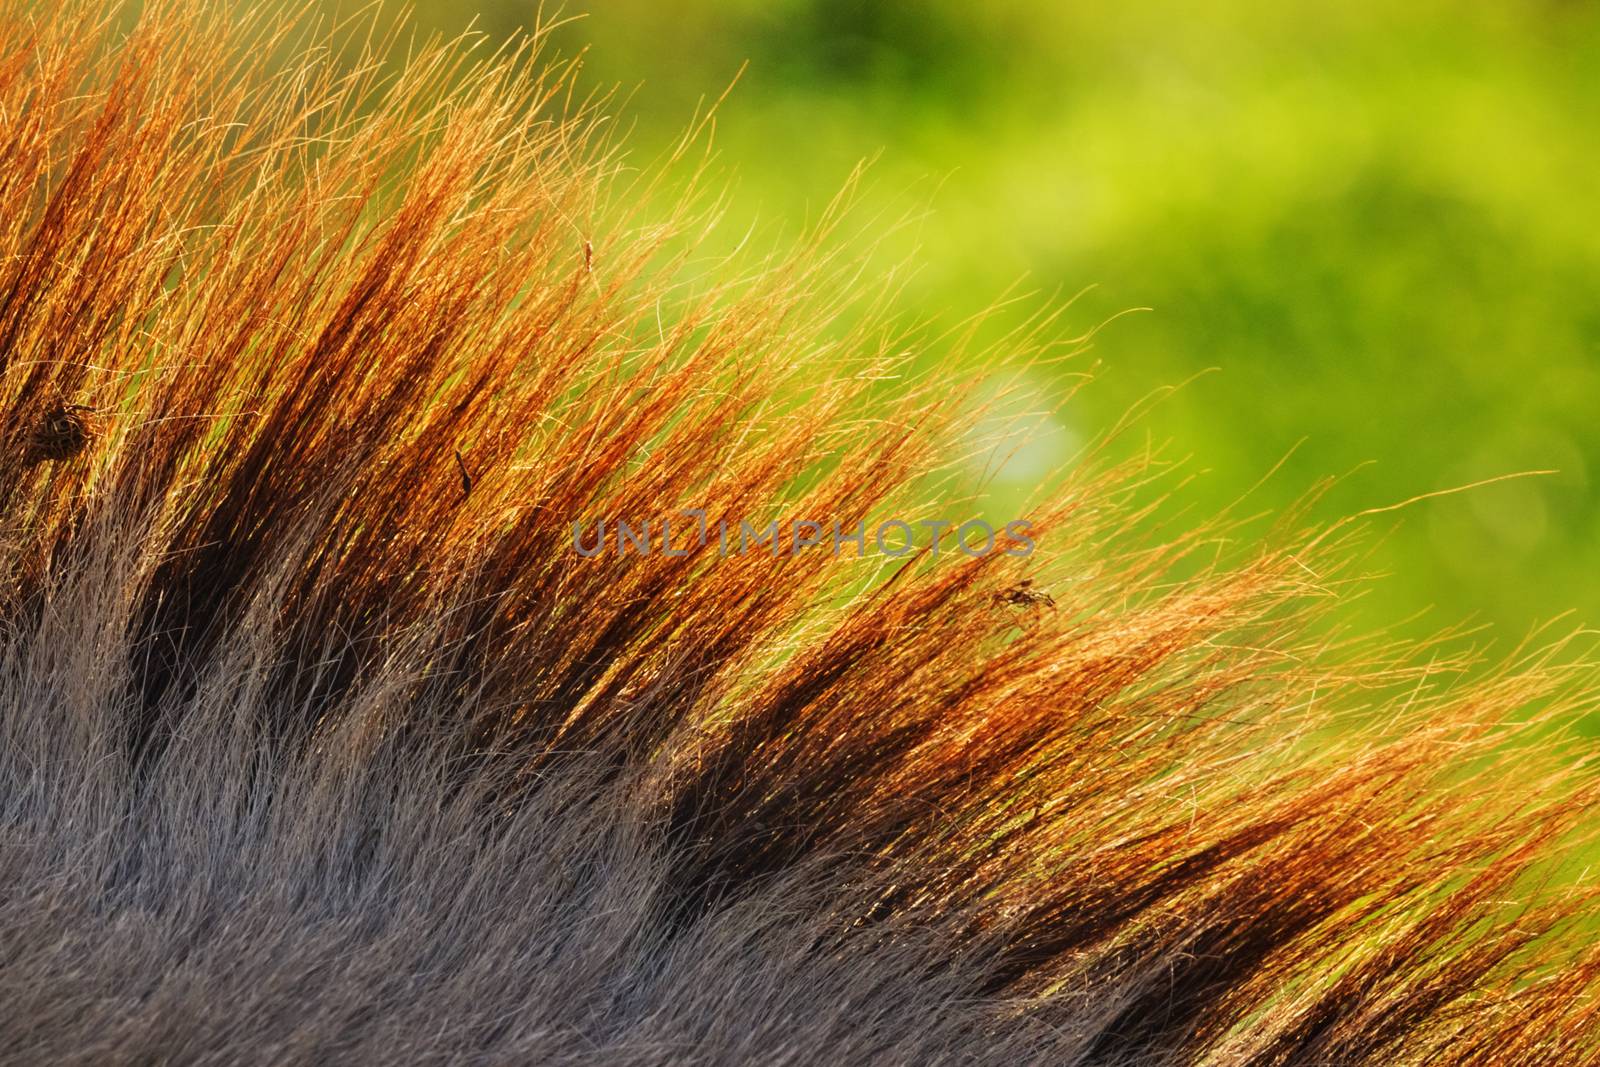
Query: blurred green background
{"points": [[1376, 219]]}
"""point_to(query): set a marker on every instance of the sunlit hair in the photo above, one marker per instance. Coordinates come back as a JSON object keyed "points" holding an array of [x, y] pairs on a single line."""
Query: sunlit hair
{"points": [[319, 744]]}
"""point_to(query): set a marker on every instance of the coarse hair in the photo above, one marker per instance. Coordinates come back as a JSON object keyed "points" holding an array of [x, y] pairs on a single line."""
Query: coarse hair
{"points": [[319, 744]]}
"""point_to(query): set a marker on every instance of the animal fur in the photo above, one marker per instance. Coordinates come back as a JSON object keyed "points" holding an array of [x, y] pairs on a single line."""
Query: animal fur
{"points": [[316, 748]]}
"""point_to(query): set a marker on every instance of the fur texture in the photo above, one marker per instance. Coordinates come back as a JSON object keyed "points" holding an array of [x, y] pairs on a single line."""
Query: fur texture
{"points": [[320, 745]]}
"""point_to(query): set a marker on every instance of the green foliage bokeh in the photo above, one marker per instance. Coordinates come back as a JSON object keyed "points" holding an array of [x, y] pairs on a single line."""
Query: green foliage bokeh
{"points": [[1376, 220]]}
